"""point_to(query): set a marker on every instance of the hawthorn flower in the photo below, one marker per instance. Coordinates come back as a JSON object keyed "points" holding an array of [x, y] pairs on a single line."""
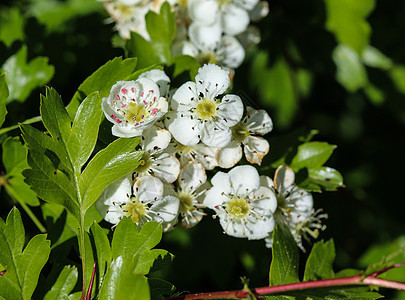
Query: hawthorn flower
{"points": [[129, 15], [133, 106], [165, 166], [245, 208], [294, 207], [142, 201], [256, 122], [160, 78], [233, 15], [197, 114], [208, 45], [205, 155], [190, 193]]}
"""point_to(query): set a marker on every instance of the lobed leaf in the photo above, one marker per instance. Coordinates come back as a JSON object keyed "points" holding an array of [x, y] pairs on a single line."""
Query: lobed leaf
{"points": [[11, 25], [320, 260], [285, 257], [3, 98]]}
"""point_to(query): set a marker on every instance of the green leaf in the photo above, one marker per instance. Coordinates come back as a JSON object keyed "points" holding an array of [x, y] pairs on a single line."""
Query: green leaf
{"points": [[347, 20], [108, 165], [320, 260], [161, 27], [121, 282], [312, 155], [51, 184], [3, 98], [23, 77], [23, 267], [103, 250], [102, 80], [373, 57], [138, 47], [160, 288], [323, 178], [14, 156], [64, 284], [350, 71], [397, 74], [11, 25], [152, 258], [285, 257], [83, 136], [183, 63], [21, 192]]}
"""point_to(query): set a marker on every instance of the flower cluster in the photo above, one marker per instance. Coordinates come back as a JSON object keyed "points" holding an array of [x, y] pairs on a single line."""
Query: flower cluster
{"points": [[200, 127], [213, 31]]}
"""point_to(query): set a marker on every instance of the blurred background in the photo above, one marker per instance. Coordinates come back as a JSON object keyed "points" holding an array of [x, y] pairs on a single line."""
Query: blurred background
{"points": [[336, 66]]}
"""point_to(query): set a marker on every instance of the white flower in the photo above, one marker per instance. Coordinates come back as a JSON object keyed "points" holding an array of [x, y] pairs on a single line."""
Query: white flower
{"points": [[165, 166], [133, 106], [142, 202], [190, 191], [205, 155], [160, 78], [232, 15], [245, 208], [256, 122], [294, 207], [198, 114], [129, 16], [208, 45]]}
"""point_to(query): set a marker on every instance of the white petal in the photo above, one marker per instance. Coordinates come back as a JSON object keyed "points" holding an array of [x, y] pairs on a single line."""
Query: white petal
{"points": [[244, 179], [148, 188], [184, 48], [235, 19], [252, 230], [230, 110], [160, 78], [206, 155], [303, 205], [155, 139], [167, 208], [204, 12], [230, 155], [185, 130], [258, 121], [264, 198], [185, 97], [232, 52], [205, 37], [166, 167], [128, 131], [214, 197], [284, 179], [212, 78], [214, 134], [192, 176], [246, 4], [260, 11], [266, 181], [255, 149]]}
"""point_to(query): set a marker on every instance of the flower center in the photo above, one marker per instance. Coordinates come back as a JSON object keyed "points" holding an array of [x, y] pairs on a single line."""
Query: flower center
{"points": [[238, 207], [206, 109], [125, 10], [186, 202], [135, 112], [240, 132], [207, 58], [145, 165], [134, 209], [181, 149]]}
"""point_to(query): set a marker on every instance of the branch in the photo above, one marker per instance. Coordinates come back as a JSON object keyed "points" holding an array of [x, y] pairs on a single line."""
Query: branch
{"points": [[350, 280]]}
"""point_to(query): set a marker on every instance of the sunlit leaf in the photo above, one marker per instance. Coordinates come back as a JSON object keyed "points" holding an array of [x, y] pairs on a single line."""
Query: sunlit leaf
{"points": [[23, 77], [320, 260], [64, 284], [11, 25], [312, 155]]}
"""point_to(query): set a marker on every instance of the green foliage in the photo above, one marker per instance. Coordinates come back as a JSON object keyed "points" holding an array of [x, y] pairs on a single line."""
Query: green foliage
{"points": [[285, 257], [22, 266], [319, 263], [23, 77], [347, 20], [3, 98], [161, 28], [11, 25], [64, 284]]}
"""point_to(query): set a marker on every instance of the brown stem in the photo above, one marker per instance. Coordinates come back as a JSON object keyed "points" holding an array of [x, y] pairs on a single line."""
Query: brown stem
{"points": [[351, 280]]}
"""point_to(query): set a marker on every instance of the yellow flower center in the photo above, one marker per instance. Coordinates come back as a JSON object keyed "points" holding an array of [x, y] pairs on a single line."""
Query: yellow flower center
{"points": [[238, 207], [135, 112], [206, 109], [134, 209], [125, 10], [180, 148], [207, 58], [240, 132], [186, 202], [145, 163]]}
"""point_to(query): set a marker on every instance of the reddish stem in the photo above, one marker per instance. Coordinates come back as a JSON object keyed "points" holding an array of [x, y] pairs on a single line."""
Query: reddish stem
{"points": [[351, 280], [88, 296]]}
